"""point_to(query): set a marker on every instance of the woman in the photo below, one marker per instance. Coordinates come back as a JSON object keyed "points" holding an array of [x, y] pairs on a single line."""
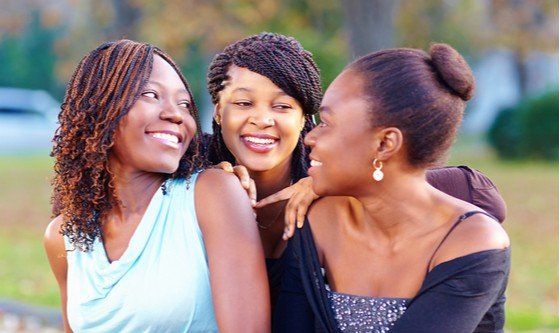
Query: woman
{"points": [[143, 236], [398, 254], [265, 89]]}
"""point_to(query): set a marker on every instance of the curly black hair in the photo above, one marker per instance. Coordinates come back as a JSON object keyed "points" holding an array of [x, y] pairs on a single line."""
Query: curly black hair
{"points": [[288, 65], [103, 88]]}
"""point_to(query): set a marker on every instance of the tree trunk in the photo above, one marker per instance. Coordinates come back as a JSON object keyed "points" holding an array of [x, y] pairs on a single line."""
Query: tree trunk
{"points": [[125, 20], [369, 25]]}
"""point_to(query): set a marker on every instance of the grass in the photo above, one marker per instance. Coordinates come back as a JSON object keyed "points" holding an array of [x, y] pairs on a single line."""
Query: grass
{"points": [[530, 190]]}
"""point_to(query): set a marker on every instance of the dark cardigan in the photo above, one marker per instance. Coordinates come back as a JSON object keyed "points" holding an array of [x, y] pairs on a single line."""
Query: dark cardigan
{"points": [[465, 294]]}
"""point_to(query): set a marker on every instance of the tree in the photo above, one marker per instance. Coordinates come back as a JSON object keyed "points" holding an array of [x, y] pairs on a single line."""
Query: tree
{"points": [[369, 24]]}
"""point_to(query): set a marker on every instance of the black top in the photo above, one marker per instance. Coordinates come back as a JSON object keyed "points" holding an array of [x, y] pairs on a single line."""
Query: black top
{"points": [[465, 294]]}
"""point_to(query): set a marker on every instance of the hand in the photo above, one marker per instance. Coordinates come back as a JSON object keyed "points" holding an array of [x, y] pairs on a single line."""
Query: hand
{"points": [[246, 182], [299, 196]]}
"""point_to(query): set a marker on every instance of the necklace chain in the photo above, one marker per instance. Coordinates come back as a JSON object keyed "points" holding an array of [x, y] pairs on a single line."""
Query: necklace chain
{"points": [[264, 227]]}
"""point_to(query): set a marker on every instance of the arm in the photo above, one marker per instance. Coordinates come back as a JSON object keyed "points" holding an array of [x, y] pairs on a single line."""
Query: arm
{"points": [[471, 186], [235, 255], [56, 253], [457, 294]]}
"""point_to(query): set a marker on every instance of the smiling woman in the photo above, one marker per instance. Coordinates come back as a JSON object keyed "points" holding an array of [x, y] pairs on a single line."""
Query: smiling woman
{"points": [[127, 256]]}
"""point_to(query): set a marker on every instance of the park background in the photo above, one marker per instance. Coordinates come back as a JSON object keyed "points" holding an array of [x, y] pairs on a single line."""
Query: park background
{"points": [[510, 130]]}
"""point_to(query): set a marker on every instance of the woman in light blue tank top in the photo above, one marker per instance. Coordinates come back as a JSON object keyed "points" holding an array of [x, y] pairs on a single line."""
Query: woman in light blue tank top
{"points": [[144, 241]]}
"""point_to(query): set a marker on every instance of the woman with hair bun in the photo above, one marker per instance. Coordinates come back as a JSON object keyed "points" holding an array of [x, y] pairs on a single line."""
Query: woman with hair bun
{"points": [[265, 89], [383, 250]]}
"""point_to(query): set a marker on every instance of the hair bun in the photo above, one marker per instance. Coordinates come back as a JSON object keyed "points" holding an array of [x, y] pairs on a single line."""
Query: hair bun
{"points": [[453, 70]]}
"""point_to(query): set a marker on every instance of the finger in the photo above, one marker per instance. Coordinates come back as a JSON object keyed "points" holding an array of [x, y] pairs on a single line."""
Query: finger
{"points": [[226, 166], [290, 219], [243, 176], [253, 192], [278, 196], [301, 212]]}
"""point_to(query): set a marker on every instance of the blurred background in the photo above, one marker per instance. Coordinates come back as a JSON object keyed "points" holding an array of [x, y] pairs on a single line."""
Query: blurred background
{"points": [[510, 130]]}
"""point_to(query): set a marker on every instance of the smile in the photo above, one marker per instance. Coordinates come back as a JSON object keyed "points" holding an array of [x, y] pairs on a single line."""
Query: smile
{"points": [[167, 138], [259, 144], [315, 163]]}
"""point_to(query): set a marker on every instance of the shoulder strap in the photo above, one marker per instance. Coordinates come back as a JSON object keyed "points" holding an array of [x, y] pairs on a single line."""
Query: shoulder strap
{"points": [[459, 220]]}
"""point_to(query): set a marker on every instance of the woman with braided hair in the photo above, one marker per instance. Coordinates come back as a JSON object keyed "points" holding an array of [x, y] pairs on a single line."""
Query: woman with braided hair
{"points": [[265, 89], [143, 233]]}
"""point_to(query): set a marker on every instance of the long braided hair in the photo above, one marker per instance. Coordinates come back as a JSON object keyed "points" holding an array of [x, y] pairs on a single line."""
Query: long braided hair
{"points": [[288, 65], [103, 88]]}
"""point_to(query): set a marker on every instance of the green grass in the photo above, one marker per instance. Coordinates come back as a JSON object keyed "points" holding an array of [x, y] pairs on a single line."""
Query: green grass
{"points": [[530, 191]]}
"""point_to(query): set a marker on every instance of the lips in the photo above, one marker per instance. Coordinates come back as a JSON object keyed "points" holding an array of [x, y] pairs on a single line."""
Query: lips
{"points": [[260, 143]]}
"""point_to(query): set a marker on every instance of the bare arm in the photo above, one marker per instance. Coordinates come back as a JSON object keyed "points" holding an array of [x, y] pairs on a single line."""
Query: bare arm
{"points": [[235, 255], [56, 253]]}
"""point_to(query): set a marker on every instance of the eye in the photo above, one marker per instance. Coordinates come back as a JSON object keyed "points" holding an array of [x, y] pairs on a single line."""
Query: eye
{"points": [[150, 94], [321, 124], [243, 103], [283, 106], [185, 104]]}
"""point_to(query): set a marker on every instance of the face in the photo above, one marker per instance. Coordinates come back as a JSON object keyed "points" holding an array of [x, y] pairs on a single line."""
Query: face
{"points": [[342, 144], [260, 123], [157, 130]]}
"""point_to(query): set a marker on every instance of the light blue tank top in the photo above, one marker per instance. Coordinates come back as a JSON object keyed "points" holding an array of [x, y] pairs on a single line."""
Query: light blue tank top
{"points": [[160, 284]]}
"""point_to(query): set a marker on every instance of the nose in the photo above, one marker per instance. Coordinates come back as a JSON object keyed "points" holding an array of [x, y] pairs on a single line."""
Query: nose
{"points": [[262, 117], [171, 112], [310, 138]]}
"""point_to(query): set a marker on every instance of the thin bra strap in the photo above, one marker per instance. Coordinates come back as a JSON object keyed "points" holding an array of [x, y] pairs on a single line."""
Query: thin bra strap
{"points": [[459, 220]]}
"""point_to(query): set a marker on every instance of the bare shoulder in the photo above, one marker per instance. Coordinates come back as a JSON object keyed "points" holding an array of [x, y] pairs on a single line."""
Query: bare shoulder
{"points": [[53, 238], [216, 181], [476, 233], [220, 200], [482, 231]]}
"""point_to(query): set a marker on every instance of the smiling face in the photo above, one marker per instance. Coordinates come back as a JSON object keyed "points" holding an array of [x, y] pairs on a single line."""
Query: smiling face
{"points": [[260, 123], [343, 144], [157, 130]]}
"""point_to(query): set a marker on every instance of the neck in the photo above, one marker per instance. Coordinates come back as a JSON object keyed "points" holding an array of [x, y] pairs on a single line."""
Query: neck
{"points": [[402, 207], [134, 191], [271, 181]]}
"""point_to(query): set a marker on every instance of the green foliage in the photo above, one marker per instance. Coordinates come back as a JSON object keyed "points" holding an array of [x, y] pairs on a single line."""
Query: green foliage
{"points": [[528, 130], [28, 60]]}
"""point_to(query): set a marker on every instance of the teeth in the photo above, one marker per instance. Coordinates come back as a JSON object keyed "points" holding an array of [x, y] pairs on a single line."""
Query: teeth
{"points": [[259, 140], [315, 163], [167, 137]]}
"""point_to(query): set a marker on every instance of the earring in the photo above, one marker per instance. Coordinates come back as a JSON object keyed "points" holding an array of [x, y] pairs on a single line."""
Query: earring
{"points": [[217, 121], [377, 174]]}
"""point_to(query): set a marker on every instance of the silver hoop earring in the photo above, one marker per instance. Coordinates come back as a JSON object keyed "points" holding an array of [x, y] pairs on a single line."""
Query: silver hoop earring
{"points": [[377, 174]]}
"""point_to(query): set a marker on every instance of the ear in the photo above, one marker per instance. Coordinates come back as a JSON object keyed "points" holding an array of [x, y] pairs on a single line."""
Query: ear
{"points": [[216, 115], [388, 141]]}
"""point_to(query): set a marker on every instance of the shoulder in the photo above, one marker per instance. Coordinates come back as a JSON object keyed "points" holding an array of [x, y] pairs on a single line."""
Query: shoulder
{"points": [[476, 233], [216, 182], [219, 198], [469, 185], [53, 238]]}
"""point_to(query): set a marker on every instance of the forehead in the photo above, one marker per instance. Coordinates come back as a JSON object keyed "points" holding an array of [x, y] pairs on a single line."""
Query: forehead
{"points": [[240, 77], [163, 73], [346, 87]]}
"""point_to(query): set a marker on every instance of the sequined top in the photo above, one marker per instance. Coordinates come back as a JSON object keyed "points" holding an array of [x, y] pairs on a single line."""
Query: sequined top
{"points": [[355, 313]]}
